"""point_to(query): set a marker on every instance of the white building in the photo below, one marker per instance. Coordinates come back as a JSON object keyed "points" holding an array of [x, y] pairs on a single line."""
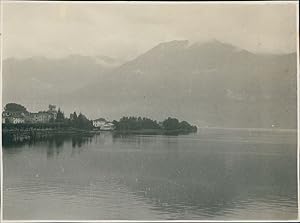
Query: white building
{"points": [[108, 126], [14, 120], [13, 117], [104, 125], [98, 123], [18, 120]]}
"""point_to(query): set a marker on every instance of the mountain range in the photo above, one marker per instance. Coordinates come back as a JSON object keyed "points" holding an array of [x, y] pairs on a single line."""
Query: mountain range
{"points": [[207, 84]]}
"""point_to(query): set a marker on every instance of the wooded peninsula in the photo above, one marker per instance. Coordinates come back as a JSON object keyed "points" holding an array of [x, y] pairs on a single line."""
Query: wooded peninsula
{"points": [[18, 123]]}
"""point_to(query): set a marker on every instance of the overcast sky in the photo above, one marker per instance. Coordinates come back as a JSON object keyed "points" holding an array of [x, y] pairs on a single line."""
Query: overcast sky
{"points": [[127, 30]]}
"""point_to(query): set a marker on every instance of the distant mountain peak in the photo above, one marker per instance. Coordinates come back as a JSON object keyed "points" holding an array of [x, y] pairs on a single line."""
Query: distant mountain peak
{"points": [[173, 44], [214, 44], [164, 48]]}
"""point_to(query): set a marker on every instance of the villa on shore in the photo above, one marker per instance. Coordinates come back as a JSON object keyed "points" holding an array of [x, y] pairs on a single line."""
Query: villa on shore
{"points": [[19, 117], [102, 124]]}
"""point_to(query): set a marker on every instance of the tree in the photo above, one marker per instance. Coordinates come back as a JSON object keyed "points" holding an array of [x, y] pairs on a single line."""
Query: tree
{"points": [[13, 107], [116, 124], [187, 126], [171, 124], [73, 116], [135, 123], [60, 117], [82, 122]]}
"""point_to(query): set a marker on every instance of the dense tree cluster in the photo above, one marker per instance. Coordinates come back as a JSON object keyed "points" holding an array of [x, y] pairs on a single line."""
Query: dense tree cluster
{"points": [[80, 121], [138, 123], [60, 117], [174, 124], [13, 107]]}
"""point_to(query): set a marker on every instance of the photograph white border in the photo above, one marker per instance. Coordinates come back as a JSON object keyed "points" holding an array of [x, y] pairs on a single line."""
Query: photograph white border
{"points": [[152, 3]]}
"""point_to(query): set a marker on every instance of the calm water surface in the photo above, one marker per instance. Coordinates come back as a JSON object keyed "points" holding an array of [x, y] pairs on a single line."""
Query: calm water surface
{"points": [[214, 174]]}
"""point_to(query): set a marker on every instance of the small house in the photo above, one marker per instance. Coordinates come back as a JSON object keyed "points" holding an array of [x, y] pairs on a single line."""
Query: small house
{"points": [[40, 117], [108, 126], [98, 123], [13, 117], [14, 120]]}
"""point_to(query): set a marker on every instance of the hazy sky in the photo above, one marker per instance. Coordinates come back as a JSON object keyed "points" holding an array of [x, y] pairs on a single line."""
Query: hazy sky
{"points": [[127, 30]]}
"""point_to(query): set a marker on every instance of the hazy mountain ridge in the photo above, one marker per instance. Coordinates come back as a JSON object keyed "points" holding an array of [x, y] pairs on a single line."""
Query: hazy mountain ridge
{"points": [[212, 83], [38, 78]]}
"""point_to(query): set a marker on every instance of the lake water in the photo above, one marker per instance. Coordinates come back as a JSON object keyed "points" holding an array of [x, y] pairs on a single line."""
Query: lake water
{"points": [[214, 174]]}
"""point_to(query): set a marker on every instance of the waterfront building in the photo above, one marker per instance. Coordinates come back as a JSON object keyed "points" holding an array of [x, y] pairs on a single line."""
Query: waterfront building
{"points": [[108, 126], [104, 125], [98, 123]]}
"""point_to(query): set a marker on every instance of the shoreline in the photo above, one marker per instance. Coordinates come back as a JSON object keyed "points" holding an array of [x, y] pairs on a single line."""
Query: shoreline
{"points": [[18, 135], [154, 132], [13, 134]]}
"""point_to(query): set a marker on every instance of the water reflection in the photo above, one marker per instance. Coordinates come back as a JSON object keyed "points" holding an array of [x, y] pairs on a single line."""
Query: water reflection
{"points": [[236, 176], [53, 144], [211, 184]]}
